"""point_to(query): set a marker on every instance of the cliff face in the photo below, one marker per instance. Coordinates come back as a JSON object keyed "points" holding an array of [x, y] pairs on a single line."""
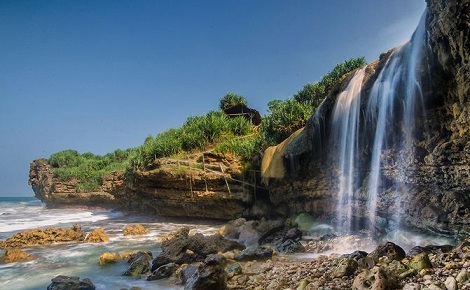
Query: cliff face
{"points": [[174, 188], [425, 182]]}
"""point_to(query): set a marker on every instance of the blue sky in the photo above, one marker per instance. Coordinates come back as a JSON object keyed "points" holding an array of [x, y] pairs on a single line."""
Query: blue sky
{"points": [[96, 76]]}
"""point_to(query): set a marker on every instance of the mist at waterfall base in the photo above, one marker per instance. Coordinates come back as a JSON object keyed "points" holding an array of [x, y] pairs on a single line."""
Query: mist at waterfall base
{"points": [[81, 259]]}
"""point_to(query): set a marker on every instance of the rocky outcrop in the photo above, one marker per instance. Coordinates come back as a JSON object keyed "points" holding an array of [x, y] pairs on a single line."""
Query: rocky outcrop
{"points": [[51, 190], [430, 178], [16, 255], [133, 230], [98, 235], [66, 283], [207, 185], [44, 237]]}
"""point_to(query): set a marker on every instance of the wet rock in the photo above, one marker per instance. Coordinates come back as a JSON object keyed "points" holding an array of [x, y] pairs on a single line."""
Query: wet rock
{"points": [[293, 234], [420, 262], [430, 249], [216, 259], [254, 253], [251, 232], [389, 250], [45, 237], [375, 279], [16, 255], [139, 264], [133, 230], [70, 283], [234, 269], [182, 248], [110, 258], [289, 246], [207, 277], [164, 271], [345, 267], [98, 235]]}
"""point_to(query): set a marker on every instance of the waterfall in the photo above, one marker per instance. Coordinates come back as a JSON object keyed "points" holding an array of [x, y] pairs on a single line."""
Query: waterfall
{"points": [[388, 116], [345, 126]]}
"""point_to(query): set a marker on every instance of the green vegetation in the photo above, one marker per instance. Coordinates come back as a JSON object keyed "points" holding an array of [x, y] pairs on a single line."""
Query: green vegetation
{"points": [[197, 133], [230, 100], [286, 117], [314, 94], [87, 168], [213, 131]]}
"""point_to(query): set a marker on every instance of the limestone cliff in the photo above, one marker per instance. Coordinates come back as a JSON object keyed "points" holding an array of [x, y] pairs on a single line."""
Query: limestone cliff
{"points": [[174, 188], [432, 174]]}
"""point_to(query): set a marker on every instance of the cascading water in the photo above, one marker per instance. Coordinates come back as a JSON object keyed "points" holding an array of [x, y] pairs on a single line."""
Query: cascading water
{"points": [[346, 115], [388, 116]]}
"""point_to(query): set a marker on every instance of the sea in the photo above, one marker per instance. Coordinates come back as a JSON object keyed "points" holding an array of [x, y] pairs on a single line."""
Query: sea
{"points": [[81, 259]]}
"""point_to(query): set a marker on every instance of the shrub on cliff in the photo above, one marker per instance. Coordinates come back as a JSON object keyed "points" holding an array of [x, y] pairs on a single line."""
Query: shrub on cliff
{"points": [[230, 100], [197, 133], [314, 94], [287, 116], [87, 168]]}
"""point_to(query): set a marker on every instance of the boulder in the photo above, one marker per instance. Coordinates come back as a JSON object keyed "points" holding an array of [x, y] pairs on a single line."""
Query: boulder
{"points": [[139, 263], [374, 279], [254, 253], [181, 248], [345, 267], [234, 269], [164, 271], [98, 235], [16, 255], [420, 262], [109, 258], [207, 277], [70, 283], [389, 250], [289, 246], [133, 230], [430, 249], [251, 232]]}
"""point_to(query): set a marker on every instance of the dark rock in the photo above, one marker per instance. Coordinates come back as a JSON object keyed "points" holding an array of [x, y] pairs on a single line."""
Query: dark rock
{"points": [[164, 271], [293, 234], [190, 270], [238, 110], [234, 269], [216, 259], [182, 248], [139, 264], [70, 283], [289, 246], [356, 255], [328, 237], [390, 250], [207, 277], [254, 253], [430, 249], [253, 232]]}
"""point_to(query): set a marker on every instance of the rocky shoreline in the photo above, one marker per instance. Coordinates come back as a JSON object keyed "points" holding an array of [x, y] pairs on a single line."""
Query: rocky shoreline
{"points": [[263, 254]]}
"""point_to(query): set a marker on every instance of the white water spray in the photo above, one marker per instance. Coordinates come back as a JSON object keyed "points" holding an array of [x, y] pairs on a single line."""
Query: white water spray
{"points": [[389, 118], [346, 116]]}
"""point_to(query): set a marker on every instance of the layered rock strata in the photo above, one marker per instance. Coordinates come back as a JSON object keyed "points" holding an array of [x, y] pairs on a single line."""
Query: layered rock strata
{"points": [[177, 188]]}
